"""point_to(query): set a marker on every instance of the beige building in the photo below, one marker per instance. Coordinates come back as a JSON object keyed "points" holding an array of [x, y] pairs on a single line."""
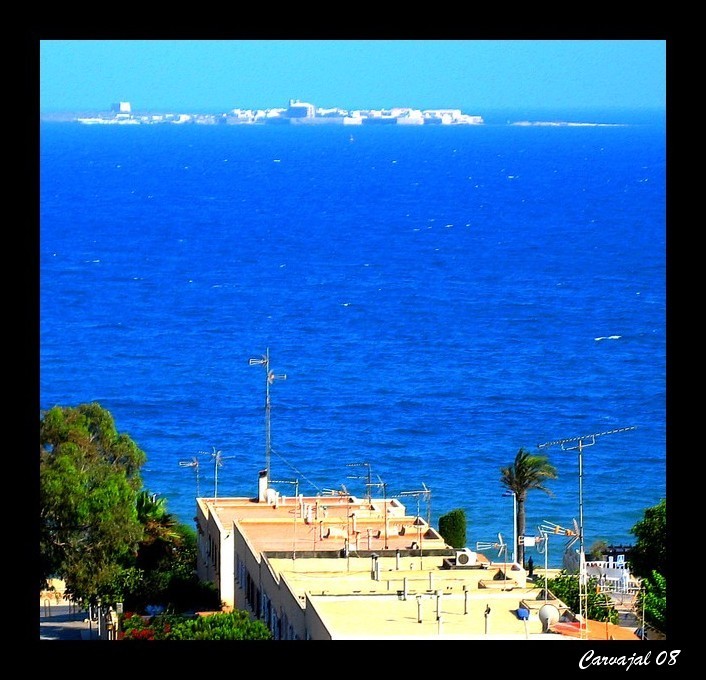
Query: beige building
{"points": [[340, 567]]}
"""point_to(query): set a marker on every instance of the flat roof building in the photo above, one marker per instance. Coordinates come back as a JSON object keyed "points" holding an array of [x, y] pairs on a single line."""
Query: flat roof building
{"points": [[341, 567]]}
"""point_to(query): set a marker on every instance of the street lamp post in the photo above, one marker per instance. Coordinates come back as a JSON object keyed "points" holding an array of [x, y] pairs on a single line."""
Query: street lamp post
{"points": [[514, 523]]}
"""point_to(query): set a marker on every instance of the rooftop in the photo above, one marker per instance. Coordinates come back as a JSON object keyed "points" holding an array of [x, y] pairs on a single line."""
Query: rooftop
{"points": [[371, 571], [322, 523]]}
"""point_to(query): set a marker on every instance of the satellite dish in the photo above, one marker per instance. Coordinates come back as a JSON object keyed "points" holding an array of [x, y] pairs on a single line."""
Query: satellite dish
{"points": [[571, 561], [548, 615]]}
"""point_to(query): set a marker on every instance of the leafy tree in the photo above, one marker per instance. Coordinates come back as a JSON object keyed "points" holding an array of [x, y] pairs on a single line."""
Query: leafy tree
{"points": [[166, 564], [598, 605], [162, 537], [89, 478], [650, 550], [527, 472], [648, 561], [452, 527], [653, 601], [597, 550]]}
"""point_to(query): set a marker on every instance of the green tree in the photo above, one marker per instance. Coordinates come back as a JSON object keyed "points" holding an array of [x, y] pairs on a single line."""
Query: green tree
{"points": [[598, 605], [452, 527], [598, 548], [653, 601], [89, 477], [650, 550], [527, 472], [166, 564], [161, 537], [648, 561]]}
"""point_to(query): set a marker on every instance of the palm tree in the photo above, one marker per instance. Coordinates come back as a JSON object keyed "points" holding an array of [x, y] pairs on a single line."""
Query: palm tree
{"points": [[526, 473], [161, 533]]}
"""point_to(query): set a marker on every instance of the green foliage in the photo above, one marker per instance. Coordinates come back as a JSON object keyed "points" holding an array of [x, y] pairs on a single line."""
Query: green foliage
{"points": [[598, 605], [236, 625], [99, 530], [597, 550], [650, 550], [166, 559], [653, 598], [89, 475], [452, 527]]}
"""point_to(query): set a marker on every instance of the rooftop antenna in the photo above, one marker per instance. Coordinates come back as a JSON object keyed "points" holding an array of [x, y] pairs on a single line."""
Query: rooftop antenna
{"points": [[217, 462], [193, 463], [500, 546], [343, 491], [542, 545], [550, 529], [346, 541], [270, 377], [578, 444], [368, 484], [289, 481], [426, 493], [383, 485]]}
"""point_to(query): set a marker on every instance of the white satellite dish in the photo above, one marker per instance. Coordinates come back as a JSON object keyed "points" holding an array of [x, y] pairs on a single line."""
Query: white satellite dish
{"points": [[548, 615]]}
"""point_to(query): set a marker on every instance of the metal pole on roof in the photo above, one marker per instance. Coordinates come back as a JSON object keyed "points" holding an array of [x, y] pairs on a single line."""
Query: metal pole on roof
{"points": [[270, 377], [581, 442]]}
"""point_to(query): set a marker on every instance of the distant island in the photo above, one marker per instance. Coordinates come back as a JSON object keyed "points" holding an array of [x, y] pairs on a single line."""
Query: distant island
{"points": [[296, 113]]}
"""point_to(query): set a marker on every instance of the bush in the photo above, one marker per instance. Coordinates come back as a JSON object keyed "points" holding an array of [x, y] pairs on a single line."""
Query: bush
{"points": [[452, 527]]}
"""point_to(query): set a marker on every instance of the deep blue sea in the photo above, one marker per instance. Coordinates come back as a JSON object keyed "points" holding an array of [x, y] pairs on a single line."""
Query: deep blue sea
{"points": [[437, 297]]}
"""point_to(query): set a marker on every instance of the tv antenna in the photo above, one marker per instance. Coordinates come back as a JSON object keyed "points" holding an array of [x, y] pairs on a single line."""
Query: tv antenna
{"points": [[270, 377], [289, 481], [578, 444], [383, 486], [368, 483], [217, 462], [500, 546], [343, 491], [425, 493], [193, 463]]}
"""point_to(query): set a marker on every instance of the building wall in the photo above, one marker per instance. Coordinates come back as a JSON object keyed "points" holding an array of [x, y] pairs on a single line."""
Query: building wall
{"points": [[215, 562], [316, 629], [263, 593]]}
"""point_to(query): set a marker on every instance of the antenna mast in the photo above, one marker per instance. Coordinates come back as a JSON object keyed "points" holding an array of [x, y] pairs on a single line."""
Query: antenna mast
{"points": [[368, 484], [383, 486], [270, 377], [580, 444], [217, 462], [194, 463], [426, 492]]}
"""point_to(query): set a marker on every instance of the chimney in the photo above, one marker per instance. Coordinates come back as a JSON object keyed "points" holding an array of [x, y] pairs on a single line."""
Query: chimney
{"points": [[262, 483]]}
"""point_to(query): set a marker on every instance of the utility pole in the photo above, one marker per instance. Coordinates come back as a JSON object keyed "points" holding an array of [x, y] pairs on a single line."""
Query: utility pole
{"points": [[579, 443], [270, 377]]}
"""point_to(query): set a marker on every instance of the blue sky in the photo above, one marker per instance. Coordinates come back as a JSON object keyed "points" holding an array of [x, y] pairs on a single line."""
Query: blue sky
{"points": [[473, 75]]}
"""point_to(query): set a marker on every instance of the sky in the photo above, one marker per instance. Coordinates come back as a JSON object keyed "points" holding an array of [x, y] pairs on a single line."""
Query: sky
{"points": [[192, 76]]}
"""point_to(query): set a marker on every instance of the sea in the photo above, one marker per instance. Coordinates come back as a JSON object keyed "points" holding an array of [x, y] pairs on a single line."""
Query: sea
{"points": [[392, 310]]}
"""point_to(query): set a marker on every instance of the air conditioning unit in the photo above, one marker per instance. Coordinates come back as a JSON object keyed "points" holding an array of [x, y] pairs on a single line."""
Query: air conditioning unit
{"points": [[465, 557]]}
